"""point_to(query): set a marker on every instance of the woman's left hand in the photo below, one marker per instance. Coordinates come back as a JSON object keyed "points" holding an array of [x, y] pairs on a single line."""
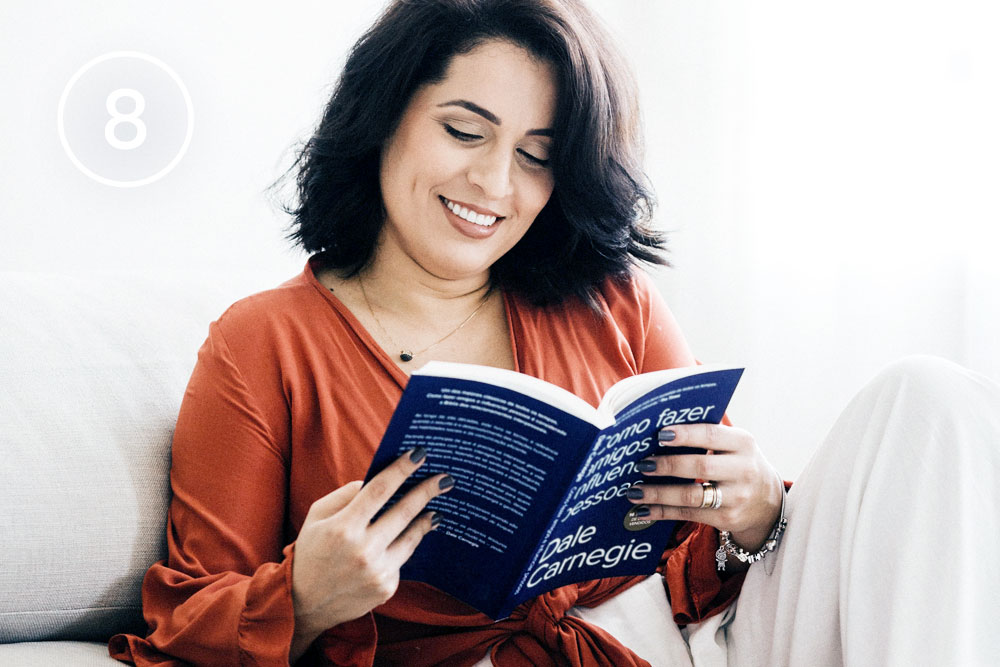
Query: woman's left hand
{"points": [[751, 489]]}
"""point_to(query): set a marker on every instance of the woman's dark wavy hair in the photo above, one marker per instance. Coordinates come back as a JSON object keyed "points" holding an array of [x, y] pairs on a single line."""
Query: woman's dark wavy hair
{"points": [[597, 222]]}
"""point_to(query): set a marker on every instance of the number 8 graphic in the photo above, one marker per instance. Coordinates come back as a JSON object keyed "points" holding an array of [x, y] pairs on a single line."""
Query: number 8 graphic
{"points": [[117, 118], [146, 134]]}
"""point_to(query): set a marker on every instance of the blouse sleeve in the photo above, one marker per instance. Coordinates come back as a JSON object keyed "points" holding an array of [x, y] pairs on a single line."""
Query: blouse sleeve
{"points": [[224, 593], [693, 584]]}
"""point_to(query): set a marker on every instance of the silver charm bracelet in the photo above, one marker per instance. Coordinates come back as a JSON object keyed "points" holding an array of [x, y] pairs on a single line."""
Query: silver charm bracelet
{"points": [[727, 547]]}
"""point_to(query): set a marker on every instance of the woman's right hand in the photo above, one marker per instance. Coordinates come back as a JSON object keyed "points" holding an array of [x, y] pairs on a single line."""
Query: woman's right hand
{"points": [[345, 565]]}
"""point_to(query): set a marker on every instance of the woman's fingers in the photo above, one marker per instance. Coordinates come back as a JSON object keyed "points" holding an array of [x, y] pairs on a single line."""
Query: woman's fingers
{"points": [[333, 502], [370, 499], [361, 500], [406, 543], [672, 513], [695, 466], [687, 496], [380, 488], [345, 564], [684, 502], [399, 518], [716, 437], [733, 458], [744, 506], [749, 488]]}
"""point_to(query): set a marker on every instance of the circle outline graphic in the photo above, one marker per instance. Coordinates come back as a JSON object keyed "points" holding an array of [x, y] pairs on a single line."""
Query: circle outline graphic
{"points": [[103, 179]]}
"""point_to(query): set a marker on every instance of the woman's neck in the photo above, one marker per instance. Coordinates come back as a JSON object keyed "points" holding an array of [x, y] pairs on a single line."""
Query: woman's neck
{"points": [[413, 313], [405, 289]]}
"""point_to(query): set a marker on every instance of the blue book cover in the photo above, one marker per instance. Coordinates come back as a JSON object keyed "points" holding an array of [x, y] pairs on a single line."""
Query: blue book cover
{"points": [[541, 475]]}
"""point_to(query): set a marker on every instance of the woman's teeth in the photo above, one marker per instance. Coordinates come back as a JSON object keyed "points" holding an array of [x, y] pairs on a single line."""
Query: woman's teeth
{"points": [[466, 214]]}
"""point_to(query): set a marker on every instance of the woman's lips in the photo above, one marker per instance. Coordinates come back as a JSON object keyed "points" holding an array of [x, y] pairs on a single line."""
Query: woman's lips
{"points": [[474, 223]]}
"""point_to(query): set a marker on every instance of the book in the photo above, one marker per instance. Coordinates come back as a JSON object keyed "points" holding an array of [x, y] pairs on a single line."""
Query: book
{"points": [[541, 475]]}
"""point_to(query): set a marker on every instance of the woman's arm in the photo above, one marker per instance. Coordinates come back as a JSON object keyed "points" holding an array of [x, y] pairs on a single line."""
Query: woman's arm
{"points": [[225, 587], [232, 590]]}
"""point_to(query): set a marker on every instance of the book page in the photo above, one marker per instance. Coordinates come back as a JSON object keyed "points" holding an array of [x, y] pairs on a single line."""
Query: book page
{"points": [[521, 383], [625, 391]]}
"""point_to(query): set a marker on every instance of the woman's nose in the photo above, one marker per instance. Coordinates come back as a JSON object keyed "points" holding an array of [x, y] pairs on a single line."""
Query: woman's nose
{"points": [[491, 173]]}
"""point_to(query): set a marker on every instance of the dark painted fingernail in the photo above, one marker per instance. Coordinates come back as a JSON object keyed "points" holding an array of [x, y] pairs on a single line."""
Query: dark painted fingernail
{"points": [[435, 520], [646, 465], [634, 493], [666, 435], [641, 511], [446, 482], [417, 454]]}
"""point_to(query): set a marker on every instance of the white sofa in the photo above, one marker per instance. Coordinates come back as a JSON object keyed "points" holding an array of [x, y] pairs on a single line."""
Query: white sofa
{"points": [[92, 371]]}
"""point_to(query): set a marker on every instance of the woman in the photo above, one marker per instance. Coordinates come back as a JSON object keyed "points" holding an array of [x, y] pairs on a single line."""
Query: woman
{"points": [[473, 193]]}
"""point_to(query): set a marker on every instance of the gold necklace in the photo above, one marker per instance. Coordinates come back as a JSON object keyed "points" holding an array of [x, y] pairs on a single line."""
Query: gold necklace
{"points": [[405, 354]]}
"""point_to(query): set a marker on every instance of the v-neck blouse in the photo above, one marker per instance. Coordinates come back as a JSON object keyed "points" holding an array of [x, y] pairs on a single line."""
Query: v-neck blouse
{"points": [[287, 402]]}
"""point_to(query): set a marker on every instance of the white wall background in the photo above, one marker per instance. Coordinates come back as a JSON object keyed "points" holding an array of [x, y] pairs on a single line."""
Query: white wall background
{"points": [[829, 171]]}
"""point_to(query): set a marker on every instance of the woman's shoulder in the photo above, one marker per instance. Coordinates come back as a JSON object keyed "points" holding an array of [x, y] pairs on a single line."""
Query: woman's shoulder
{"points": [[279, 314], [636, 310], [618, 300], [632, 292], [268, 302], [626, 299], [264, 305]]}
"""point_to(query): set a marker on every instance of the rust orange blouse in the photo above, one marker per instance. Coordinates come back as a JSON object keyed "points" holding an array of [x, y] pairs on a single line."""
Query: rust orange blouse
{"points": [[288, 401]]}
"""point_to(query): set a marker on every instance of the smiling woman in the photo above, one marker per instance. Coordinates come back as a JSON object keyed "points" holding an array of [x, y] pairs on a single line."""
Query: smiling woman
{"points": [[586, 137], [473, 193], [468, 147]]}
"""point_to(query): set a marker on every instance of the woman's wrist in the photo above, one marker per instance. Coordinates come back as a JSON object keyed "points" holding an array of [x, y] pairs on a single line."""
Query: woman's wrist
{"points": [[753, 538], [735, 546]]}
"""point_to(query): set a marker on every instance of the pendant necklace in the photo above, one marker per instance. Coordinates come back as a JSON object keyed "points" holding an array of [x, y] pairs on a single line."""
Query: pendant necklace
{"points": [[406, 354]]}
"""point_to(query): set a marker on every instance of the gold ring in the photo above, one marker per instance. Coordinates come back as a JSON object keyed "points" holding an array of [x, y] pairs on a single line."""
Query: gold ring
{"points": [[710, 495]]}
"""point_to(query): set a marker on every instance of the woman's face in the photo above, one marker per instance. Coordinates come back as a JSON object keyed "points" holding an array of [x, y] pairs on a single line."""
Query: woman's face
{"points": [[466, 171]]}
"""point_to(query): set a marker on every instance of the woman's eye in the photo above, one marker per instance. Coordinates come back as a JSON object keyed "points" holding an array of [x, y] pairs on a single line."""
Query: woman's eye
{"points": [[532, 159], [461, 136]]}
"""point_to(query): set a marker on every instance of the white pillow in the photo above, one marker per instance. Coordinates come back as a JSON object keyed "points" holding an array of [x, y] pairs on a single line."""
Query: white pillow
{"points": [[92, 371]]}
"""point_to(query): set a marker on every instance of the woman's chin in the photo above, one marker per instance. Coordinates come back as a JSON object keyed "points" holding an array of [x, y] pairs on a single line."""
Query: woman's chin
{"points": [[469, 268]]}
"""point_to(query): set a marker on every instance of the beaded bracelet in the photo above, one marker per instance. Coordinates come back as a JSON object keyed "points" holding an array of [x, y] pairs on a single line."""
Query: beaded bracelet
{"points": [[727, 547]]}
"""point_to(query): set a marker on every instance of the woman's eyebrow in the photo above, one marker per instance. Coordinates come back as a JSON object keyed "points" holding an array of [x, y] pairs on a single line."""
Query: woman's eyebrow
{"points": [[489, 115]]}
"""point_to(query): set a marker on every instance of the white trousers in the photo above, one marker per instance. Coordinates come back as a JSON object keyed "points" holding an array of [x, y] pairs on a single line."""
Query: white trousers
{"points": [[891, 554]]}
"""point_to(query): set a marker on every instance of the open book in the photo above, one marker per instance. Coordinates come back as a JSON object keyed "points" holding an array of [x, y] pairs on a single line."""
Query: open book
{"points": [[541, 475]]}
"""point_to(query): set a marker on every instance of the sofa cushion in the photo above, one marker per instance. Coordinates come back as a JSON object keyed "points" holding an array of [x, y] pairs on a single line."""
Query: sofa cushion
{"points": [[92, 371], [77, 654]]}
